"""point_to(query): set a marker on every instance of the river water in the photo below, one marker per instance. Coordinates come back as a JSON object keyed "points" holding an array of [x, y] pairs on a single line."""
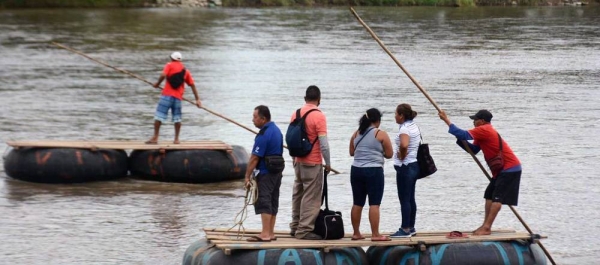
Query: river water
{"points": [[536, 68]]}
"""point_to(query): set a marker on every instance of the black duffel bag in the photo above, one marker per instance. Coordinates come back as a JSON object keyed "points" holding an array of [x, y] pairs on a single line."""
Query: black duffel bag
{"points": [[329, 224]]}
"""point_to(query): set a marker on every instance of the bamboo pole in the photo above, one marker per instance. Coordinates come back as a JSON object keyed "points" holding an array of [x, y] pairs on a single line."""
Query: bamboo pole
{"points": [[439, 110], [150, 83]]}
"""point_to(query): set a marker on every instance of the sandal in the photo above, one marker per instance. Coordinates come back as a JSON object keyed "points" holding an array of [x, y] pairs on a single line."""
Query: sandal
{"points": [[257, 239], [456, 234]]}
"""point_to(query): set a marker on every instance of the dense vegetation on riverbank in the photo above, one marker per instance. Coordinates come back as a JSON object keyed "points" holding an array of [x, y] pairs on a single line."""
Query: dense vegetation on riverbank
{"points": [[73, 3], [347, 2], [258, 3]]}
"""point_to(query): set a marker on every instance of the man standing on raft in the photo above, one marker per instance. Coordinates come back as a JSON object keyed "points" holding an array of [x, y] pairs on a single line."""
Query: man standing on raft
{"points": [[172, 94], [505, 166]]}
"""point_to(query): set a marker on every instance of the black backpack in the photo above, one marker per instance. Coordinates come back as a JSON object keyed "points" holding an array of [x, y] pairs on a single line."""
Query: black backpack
{"points": [[296, 138], [176, 80]]}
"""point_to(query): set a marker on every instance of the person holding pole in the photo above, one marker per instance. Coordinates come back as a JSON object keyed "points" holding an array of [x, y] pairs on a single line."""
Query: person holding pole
{"points": [[407, 169], [369, 146], [267, 159], [504, 164], [177, 76]]}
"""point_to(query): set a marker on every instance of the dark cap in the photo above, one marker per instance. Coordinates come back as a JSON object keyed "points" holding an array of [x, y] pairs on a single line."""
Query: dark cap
{"points": [[482, 114]]}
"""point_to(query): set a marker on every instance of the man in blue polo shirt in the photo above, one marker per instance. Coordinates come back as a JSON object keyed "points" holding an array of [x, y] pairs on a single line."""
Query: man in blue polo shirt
{"points": [[267, 159]]}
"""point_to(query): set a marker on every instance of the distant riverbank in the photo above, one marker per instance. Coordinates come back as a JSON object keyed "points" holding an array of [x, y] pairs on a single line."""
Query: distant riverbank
{"points": [[273, 3]]}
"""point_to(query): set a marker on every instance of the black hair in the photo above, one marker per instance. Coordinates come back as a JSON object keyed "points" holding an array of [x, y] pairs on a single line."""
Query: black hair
{"points": [[406, 111], [312, 93], [263, 112], [371, 116]]}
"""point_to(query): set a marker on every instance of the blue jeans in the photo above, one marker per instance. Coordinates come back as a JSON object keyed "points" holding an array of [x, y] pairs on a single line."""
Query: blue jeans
{"points": [[406, 179]]}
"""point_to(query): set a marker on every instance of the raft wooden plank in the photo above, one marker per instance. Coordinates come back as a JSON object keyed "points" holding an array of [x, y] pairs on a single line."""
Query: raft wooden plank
{"points": [[133, 145], [285, 234], [342, 243]]}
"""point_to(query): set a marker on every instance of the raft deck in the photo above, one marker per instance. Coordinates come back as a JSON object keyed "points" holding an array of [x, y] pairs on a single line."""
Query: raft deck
{"points": [[229, 240], [123, 145]]}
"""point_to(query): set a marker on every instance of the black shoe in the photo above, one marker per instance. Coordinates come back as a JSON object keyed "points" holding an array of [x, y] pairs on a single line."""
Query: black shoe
{"points": [[311, 236], [293, 233]]}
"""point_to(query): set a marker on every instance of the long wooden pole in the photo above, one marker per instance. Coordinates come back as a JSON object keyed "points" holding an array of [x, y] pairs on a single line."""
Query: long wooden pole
{"points": [[150, 83], [439, 110]]}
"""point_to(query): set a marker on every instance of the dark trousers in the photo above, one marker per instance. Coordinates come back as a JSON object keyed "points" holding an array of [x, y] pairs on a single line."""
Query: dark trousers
{"points": [[406, 180]]}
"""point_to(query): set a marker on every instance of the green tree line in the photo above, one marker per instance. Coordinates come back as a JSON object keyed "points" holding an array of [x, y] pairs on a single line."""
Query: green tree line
{"points": [[262, 3], [73, 3]]}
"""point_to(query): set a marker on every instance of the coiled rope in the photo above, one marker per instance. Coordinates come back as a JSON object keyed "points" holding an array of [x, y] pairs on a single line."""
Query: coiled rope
{"points": [[249, 199]]}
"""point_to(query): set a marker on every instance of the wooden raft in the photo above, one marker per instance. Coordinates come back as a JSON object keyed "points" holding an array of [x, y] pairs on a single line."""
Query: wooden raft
{"points": [[123, 145], [228, 241]]}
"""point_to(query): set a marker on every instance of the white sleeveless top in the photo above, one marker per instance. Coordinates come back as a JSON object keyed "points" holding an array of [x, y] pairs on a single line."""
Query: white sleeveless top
{"points": [[412, 130]]}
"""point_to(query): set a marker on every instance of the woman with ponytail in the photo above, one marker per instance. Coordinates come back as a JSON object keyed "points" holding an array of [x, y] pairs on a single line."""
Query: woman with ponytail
{"points": [[406, 144], [369, 146]]}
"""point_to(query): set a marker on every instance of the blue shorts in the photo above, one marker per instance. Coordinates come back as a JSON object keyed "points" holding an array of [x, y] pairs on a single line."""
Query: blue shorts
{"points": [[162, 110], [366, 181]]}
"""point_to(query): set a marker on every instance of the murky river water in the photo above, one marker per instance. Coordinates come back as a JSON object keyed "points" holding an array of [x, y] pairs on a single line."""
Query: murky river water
{"points": [[536, 69]]}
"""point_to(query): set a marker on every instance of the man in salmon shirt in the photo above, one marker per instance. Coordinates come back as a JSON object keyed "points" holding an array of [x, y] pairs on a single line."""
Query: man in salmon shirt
{"points": [[308, 183], [177, 76], [504, 186]]}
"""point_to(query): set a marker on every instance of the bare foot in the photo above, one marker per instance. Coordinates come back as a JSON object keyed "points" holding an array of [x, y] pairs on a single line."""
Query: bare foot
{"points": [[152, 140], [357, 237], [380, 238], [482, 231], [176, 142]]}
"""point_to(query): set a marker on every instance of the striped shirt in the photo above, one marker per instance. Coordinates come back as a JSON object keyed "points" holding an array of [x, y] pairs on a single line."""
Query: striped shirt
{"points": [[412, 130]]}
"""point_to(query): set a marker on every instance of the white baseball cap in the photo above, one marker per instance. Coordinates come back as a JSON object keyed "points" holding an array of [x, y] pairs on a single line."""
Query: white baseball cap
{"points": [[176, 56]]}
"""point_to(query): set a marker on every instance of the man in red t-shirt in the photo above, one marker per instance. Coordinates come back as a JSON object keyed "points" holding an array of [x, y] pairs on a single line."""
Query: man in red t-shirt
{"points": [[504, 186], [177, 76]]}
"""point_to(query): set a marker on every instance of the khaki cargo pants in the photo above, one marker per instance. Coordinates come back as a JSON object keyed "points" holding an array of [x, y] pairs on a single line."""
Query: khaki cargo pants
{"points": [[306, 197]]}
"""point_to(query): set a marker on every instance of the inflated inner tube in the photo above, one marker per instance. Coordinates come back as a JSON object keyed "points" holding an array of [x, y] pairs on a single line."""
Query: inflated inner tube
{"points": [[488, 253], [65, 165], [189, 166], [202, 253]]}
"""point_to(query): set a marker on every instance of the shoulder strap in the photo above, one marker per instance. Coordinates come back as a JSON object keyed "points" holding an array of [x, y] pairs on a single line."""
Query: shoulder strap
{"points": [[305, 114], [304, 118], [363, 136], [180, 72], [499, 141], [324, 196], [420, 134]]}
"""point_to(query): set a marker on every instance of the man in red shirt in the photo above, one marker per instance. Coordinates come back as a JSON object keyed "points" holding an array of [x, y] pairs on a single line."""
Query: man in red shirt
{"points": [[177, 76], [504, 186]]}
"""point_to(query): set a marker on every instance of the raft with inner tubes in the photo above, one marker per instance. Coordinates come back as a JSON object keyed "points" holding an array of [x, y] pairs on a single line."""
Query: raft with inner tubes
{"points": [[521, 252], [501, 247], [201, 163], [83, 161]]}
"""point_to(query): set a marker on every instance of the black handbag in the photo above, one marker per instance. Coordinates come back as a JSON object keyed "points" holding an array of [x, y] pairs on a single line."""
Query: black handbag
{"points": [[426, 163], [329, 224], [496, 163]]}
